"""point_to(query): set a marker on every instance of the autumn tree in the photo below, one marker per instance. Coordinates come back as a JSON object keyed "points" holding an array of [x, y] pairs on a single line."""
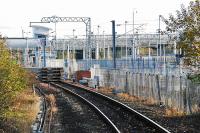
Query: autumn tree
{"points": [[12, 78], [186, 25]]}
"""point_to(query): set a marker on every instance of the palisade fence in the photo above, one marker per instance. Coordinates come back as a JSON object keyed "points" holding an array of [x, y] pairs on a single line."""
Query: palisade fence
{"points": [[149, 64], [173, 91]]}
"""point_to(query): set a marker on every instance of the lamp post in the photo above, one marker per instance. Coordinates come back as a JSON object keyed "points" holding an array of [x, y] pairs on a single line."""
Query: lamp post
{"points": [[63, 53], [104, 51], [50, 47], [159, 32], [73, 32], [113, 43], [108, 52], [38, 55], [73, 44], [126, 39], [55, 26], [27, 48], [133, 48], [68, 51], [97, 48], [126, 42]]}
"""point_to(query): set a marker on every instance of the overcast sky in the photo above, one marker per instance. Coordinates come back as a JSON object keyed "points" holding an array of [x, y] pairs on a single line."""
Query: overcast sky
{"points": [[16, 14]]}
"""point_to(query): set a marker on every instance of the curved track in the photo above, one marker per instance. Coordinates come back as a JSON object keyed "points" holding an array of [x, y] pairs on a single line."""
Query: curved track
{"points": [[70, 114], [112, 126], [121, 117]]}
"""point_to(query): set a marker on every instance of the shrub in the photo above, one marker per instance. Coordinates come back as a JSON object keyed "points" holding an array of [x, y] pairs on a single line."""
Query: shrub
{"points": [[12, 79]]}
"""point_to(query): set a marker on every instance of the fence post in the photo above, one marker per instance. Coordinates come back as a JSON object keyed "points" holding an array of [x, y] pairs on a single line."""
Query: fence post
{"points": [[153, 80], [182, 97], [158, 87], [154, 64], [126, 85], [166, 87], [172, 90], [133, 84], [149, 85], [143, 64], [137, 87], [189, 97]]}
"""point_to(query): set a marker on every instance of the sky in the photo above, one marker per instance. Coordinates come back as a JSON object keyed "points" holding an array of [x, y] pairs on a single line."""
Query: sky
{"points": [[16, 14]]}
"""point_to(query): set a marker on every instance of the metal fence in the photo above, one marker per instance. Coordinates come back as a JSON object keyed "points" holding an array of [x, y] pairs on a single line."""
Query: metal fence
{"points": [[148, 64], [170, 90]]}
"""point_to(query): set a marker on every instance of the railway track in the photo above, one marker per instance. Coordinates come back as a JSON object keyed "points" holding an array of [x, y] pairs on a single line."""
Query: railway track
{"points": [[119, 116], [41, 117], [72, 114]]}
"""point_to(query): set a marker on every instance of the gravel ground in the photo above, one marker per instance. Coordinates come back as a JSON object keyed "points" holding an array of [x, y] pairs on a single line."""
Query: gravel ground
{"points": [[73, 116], [123, 119], [175, 124]]}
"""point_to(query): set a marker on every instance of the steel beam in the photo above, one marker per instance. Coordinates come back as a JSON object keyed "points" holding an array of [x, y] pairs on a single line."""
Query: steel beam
{"points": [[86, 20]]}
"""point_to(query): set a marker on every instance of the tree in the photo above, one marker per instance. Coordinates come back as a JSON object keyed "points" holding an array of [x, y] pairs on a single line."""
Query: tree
{"points": [[12, 78], [186, 25]]}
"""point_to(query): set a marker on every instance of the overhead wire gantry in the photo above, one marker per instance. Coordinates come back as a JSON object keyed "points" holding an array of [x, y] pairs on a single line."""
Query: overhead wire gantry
{"points": [[86, 20]]}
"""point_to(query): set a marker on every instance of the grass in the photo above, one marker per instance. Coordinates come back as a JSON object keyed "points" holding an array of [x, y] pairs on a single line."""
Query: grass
{"points": [[22, 114], [105, 90], [170, 112], [125, 97], [52, 100]]}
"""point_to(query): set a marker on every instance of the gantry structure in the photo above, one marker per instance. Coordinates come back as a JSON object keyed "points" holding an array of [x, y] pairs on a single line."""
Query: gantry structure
{"points": [[86, 20]]}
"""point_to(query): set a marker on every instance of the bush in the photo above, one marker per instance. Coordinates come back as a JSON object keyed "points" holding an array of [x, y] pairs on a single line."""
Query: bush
{"points": [[195, 78], [12, 79]]}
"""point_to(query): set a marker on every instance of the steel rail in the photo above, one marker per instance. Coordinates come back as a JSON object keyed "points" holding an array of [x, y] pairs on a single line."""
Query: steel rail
{"points": [[42, 121], [132, 111], [96, 109]]}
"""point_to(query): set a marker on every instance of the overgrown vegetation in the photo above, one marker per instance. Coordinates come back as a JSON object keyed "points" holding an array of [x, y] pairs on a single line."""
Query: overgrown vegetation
{"points": [[12, 79], [18, 105], [186, 25], [195, 78]]}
